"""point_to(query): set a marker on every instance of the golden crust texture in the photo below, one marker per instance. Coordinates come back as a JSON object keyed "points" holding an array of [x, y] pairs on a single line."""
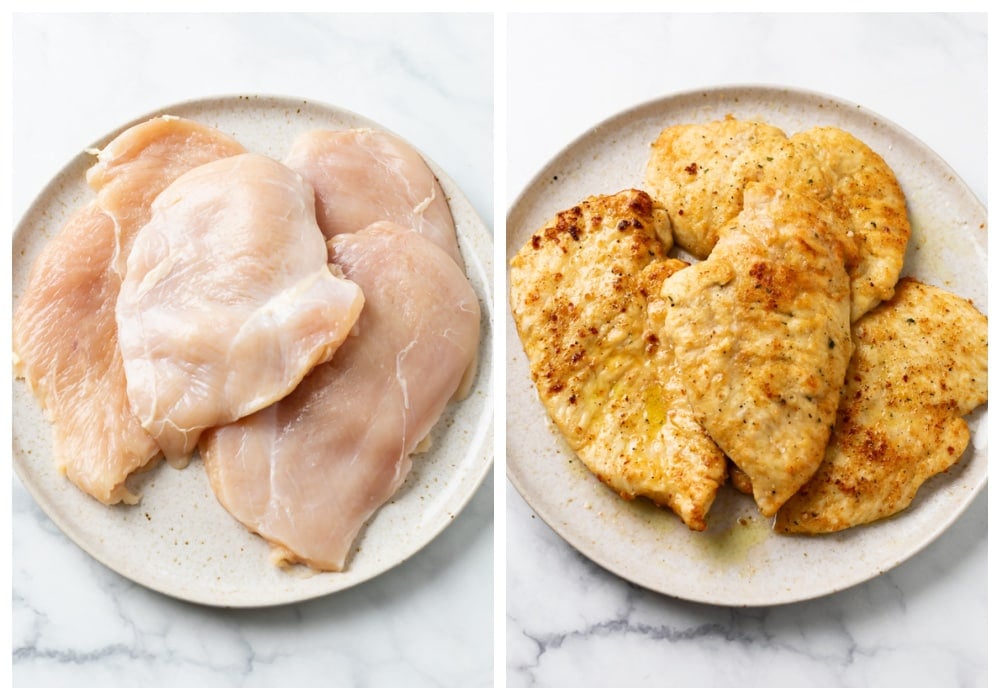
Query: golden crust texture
{"points": [[739, 480], [761, 336], [693, 171], [867, 196], [920, 364], [579, 291], [700, 172]]}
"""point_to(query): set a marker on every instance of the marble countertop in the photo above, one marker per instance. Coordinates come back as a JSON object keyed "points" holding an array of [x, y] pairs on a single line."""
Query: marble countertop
{"points": [[430, 621], [570, 622], [427, 622]]}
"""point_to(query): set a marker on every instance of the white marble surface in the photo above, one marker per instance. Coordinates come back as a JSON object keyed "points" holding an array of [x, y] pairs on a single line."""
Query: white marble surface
{"points": [[569, 622], [428, 622]]}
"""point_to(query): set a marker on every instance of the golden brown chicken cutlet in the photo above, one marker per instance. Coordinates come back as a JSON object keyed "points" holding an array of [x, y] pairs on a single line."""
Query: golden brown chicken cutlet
{"points": [[789, 358], [867, 196], [701, 184], [693, 171], [761, 337], [579, 291], [919, 366]]}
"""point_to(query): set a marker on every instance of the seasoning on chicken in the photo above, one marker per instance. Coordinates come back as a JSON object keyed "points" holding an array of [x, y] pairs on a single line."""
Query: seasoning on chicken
{"points": [[761, 335], [919, 366], [691, 172], [580, 292], [701, 171], [868, 197]]}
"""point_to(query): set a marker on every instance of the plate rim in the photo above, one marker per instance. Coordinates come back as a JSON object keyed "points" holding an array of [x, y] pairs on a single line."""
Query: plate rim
{"points": [[721, 94], [718, 90], [481, 452]]}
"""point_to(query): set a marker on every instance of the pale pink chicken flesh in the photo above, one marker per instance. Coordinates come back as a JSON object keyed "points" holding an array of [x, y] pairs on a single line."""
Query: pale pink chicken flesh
{"points": [[139, 163], [228, 300], [65, 346], [64, 331], [309, 471], [362, 176]]}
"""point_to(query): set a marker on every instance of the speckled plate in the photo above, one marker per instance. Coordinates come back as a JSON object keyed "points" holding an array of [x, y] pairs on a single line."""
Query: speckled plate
{"points": [[739, 561], [178, 540]]}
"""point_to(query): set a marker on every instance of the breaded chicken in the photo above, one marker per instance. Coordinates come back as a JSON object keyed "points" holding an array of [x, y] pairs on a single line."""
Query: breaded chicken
{"points": [[920, 364], [699, 172], [761, 335], [691, 172], [578, 291]]}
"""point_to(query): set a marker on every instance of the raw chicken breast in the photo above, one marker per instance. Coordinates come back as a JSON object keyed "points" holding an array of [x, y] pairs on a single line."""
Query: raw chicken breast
{"points": [[309, 471], [228, 300], [65, 335], [362, 176], [66, 347], [138, 164]]}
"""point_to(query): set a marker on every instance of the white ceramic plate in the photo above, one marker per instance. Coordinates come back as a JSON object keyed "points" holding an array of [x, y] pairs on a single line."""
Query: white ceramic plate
{"points": [[178, 540], [738, 561]]}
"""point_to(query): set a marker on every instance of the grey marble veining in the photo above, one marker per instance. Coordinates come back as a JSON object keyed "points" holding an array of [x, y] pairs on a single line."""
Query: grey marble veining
{"points": [[426, 622], [581, 625], [429, 621], [77, 623], [571, 623]]}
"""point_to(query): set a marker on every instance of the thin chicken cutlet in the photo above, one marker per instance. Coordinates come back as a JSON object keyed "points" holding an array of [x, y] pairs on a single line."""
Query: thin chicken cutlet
{"points": [[919, 366], [579, 291], [692, 171], [868, 198], [701, 171], [761, 335]]}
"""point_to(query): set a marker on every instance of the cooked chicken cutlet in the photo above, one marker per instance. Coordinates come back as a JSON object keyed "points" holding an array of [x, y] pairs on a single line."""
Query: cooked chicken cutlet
{"points": [[579, 292], [691, 172], [867, 196], [865, 200], [739, 480], [920, 364], [702, 186], [761, 335]]}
